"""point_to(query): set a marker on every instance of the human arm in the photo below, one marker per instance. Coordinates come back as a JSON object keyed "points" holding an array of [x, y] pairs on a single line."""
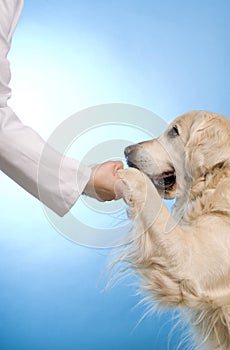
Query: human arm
{"points": [[54, 179]]}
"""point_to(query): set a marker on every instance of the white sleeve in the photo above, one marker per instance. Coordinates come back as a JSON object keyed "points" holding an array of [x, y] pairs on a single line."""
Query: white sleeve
{"points": [[54, 179]]}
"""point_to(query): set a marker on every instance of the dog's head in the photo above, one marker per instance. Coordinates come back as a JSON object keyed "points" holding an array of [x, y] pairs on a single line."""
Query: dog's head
{"points": [[192, 145]]}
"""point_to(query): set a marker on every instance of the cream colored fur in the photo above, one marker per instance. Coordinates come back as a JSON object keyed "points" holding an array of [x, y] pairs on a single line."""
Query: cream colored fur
{"points": [[183, 257]]}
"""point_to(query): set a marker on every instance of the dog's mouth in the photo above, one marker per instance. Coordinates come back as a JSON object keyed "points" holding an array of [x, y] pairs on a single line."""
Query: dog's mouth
{"points": [[163, 182]]}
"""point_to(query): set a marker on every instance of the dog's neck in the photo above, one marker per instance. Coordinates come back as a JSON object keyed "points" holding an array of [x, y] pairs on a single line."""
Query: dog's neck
{"points": [[210, 179], [199, 190]]}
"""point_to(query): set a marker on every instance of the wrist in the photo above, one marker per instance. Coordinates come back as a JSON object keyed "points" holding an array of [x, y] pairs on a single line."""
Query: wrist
{"points": [[89, 189]]}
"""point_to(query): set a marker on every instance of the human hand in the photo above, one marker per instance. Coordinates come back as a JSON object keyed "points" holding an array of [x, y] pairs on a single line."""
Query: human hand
{"points": [[102, 181]]}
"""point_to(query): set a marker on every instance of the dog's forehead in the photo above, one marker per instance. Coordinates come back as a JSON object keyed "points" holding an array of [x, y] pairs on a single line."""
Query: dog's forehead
{"points": [[196, 118], [185, 120]]}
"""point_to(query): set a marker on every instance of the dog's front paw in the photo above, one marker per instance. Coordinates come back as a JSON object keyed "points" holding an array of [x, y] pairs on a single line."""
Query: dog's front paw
{"points": [[132, 186]]}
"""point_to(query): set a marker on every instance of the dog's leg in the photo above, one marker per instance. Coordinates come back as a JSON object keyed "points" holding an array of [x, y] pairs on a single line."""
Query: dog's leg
{"points": [[159, 250], [149, 212]]}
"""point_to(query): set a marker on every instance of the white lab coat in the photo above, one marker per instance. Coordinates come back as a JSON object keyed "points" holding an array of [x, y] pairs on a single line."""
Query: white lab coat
{"points": [[61, 179]]}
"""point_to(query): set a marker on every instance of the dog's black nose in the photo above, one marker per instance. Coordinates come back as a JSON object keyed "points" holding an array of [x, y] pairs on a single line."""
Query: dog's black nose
{"points": [[130, 156], [128, 150]]}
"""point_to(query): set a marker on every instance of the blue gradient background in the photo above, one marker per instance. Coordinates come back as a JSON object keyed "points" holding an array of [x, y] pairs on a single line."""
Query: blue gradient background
{"points": [[167, 56]]}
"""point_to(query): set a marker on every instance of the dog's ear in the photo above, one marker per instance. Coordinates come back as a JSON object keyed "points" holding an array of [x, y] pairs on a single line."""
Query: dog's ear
{"points": [[208, 143]]}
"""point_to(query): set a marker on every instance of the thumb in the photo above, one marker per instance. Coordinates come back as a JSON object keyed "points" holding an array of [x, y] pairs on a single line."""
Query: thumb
{"points": [[118, 165]]}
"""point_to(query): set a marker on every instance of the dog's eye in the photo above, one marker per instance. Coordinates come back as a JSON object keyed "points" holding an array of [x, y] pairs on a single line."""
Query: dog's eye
{"points": [[173, 132]]}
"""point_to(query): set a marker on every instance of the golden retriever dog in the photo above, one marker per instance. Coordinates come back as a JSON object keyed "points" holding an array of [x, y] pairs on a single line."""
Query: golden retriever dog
{"points": [[183, 256]]}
